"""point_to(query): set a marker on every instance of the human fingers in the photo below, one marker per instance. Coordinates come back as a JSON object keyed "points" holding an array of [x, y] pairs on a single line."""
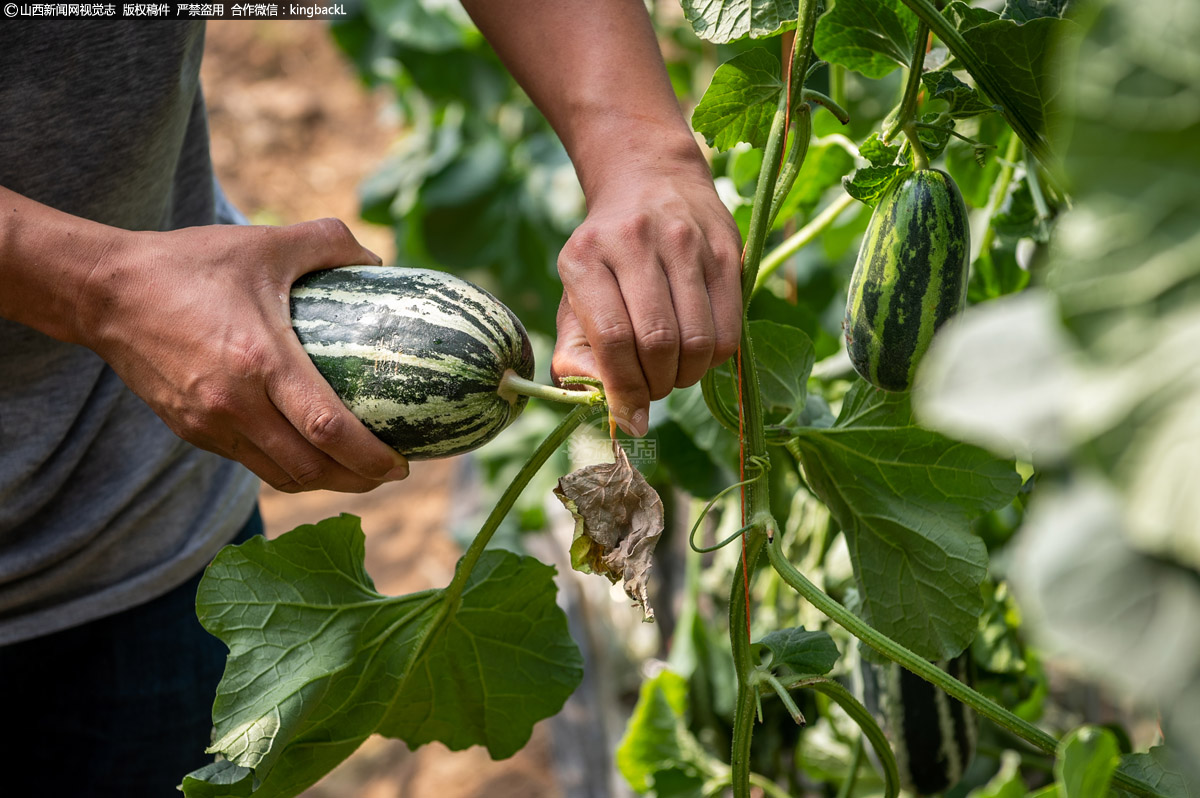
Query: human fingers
{"points": [[295, 466], [723, 282], [319, 416], [322, 244], [599, 307], [572, 353]]}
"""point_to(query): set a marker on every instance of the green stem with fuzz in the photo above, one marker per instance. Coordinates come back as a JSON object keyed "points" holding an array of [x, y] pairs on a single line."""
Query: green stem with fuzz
{"points": [[756, 498], [507, 499], [801, 238], [513, 385]]}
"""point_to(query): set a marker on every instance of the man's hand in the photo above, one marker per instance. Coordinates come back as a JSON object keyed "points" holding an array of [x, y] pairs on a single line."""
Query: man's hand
{"points": [[197, 323], [652, 294], [652, 285]]}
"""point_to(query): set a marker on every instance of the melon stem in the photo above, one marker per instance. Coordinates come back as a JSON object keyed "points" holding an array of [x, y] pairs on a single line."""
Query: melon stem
{"points": [[513, 385]]}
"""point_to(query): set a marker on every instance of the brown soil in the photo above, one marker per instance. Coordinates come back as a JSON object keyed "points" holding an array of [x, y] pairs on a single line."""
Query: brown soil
{"points": [[293, 134]]}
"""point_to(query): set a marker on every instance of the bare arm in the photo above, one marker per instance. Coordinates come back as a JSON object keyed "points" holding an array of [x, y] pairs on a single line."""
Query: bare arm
{"points": [[197, 323], [651, 278]]}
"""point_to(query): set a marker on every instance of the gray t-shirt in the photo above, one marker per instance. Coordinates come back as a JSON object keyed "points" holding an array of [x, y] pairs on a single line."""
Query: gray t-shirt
{"points": [[101, 506]]}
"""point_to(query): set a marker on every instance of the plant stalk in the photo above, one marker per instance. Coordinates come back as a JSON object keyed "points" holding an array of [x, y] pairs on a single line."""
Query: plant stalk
{"points": [[912, 85], [999, 193], [756, 497], [926, 670], [801, 238], [507, 499], [513, 385]]}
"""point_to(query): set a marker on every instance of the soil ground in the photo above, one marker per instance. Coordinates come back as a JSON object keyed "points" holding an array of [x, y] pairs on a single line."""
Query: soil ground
{"points": [[293, 135]]}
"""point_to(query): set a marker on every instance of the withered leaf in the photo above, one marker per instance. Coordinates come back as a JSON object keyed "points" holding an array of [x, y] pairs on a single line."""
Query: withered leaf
{"points": [[618, 521]]}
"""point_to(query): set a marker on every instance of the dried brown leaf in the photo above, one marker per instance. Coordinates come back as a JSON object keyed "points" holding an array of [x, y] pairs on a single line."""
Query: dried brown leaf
{"points": [[618, 521]]}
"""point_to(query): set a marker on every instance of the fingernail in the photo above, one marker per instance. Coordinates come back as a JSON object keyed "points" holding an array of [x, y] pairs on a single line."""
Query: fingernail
{"points": [[641, 423], [378, 260], [397, 473], [633, 422]]}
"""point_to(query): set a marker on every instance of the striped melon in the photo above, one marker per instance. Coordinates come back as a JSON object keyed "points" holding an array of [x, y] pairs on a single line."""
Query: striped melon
{"points": [[417, 355], [911, 276], [933, 735]]}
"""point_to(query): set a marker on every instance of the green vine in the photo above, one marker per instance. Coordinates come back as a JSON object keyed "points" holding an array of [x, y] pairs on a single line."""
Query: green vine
{"points": [[925, 669], [507, 499], [760, 524]]}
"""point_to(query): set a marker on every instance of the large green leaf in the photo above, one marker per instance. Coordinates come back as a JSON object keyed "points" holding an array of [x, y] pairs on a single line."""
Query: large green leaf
{"points": [[740, 101], [1021, 56], [905, 497], [872, 37], [723, 21], [319, 660]]}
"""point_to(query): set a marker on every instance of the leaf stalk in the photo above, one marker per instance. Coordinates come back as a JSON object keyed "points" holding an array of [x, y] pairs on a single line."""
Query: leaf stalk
{"points": [[507, 499]]}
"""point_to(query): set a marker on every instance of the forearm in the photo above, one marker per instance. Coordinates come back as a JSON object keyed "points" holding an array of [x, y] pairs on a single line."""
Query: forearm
{"points": [[46, 259], [595, 70]]}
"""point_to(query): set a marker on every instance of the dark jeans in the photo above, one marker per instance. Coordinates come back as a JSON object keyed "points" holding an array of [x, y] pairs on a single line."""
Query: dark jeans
{"points": [[120, 707]]}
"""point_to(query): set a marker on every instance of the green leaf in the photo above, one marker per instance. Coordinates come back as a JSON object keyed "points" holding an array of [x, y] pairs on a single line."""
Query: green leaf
{"points": [[691, 467], [784, 355], [686, 407], [724, 21], [877, 152], [963, 101], [1026, 10], [1161, 768], [1018, 216], [905, 497], [864, 406], [657, 752], [801, 651], [1087, 758], [740, 101], [869, 184], [871, 37], [319, 660], [997, 273], [1020, 55], [997, 647], [934, 133], [221, 779]]}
